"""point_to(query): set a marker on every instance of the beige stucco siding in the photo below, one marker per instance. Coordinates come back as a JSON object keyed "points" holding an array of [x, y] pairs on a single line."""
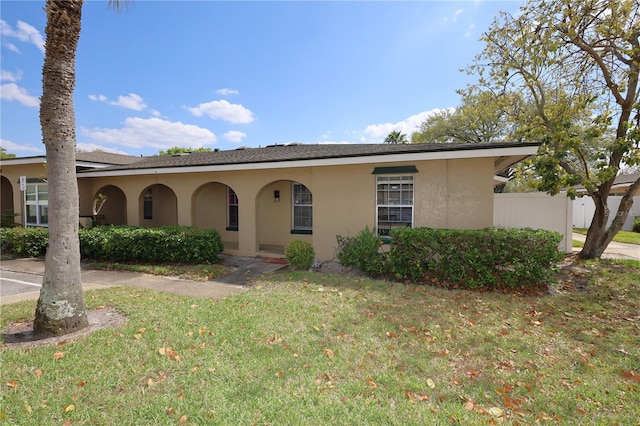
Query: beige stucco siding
{"points": [[448, 193], [13, 172]]}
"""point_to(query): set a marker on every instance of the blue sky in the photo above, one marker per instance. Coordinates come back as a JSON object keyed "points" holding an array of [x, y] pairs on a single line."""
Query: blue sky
{"points": [[230, 74]]}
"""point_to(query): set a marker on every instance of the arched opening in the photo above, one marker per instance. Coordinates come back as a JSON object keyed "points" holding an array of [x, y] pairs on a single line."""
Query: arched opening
{"points": [[6, 202], [114, 208], [215, 205], [284, 213], [158, 206]]}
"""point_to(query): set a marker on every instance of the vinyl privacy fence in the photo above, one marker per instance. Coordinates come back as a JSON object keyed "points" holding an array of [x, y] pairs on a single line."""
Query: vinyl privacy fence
{"points": [[535, 210]]}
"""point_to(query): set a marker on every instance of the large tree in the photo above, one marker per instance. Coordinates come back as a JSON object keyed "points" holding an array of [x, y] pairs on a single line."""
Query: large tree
{"points": [[481, 117], [61, 308], [578, 64]]}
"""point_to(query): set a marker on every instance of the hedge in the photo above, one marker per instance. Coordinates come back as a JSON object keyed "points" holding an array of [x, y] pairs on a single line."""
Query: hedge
{"points": [[475, 258], [125, 243]]}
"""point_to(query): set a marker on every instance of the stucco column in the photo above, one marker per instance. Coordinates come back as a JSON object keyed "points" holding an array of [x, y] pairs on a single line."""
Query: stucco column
{"points": [[247, 219], [133, 208], [183, 198]]}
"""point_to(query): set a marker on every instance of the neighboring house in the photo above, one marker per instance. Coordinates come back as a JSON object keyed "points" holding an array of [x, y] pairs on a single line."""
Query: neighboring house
{"points": [[584, 208], [620, 184], [261, 198]]}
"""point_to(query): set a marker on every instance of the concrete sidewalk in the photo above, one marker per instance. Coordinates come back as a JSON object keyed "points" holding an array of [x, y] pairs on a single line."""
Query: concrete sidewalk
{"points": [[93, 278], [614, 250]]}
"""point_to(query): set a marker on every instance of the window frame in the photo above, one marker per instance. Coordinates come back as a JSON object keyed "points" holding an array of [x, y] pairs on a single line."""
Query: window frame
{"points": [[147, 204], [38, 203], [230, 225], [394, 199], [298, 201]]}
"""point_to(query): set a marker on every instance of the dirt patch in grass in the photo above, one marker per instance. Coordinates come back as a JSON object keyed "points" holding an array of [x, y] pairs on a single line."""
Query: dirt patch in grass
{"points": [[20, 334]]}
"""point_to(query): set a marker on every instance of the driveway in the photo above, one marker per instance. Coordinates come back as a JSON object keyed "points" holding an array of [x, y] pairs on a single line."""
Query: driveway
{"points": [[614, 250]]}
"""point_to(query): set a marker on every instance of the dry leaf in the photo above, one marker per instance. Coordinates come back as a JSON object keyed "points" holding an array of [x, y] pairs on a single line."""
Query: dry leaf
{"points": [[82, 383], [27, 408], [150, 382], [431, 384], [69, 407], [58, 355], [327, 352], [496, 411], [12, 384], [38, 372], [183, 420]]}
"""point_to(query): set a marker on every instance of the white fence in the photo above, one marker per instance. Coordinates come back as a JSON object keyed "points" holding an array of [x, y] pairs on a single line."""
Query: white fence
{"points": [[535, 210], [584, 208]]}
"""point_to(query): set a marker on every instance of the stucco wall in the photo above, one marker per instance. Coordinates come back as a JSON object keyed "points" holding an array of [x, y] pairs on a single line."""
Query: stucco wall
{"points": [[13, 172], [447, 194]]}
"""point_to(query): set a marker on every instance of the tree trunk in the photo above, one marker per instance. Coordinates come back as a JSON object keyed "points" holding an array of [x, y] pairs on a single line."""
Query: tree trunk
{"points": [[598, 236], [61, 309]]}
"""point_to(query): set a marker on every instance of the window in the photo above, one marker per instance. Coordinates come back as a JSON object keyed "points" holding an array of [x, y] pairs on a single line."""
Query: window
{"points": [[232, 209], [36, 202], [394, 202], [148, 204], [302, 208]]}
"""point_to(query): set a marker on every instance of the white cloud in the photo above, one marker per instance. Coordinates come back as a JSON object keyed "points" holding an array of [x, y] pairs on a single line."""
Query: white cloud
{"points": [[152, 132], [234, 113], [13, 92], [226, 91], [88, 147], [235, 136], [101, 98], [23, 32], [14, 148], [131, 101], [9, 76], [469, 33], [377, 132]]}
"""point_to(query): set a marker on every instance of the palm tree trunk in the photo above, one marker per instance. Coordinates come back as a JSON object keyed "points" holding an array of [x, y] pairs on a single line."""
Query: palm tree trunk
{"points": [[61, 309]]}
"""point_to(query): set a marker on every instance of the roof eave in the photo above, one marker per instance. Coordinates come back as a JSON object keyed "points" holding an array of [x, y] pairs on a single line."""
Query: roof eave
{"points": [[504, 155]]}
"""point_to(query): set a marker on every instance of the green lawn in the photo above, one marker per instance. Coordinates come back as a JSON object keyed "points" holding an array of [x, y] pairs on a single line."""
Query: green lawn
{"points": [[627, 237], [312, 349]]}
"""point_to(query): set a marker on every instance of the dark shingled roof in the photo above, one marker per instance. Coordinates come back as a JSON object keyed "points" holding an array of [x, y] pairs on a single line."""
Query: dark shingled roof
{"points": [[103, 157], [297, 152]]}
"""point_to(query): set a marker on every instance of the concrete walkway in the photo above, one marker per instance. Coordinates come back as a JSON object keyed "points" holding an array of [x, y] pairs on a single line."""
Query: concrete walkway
{"points": [[614, 250], [247, 269]]}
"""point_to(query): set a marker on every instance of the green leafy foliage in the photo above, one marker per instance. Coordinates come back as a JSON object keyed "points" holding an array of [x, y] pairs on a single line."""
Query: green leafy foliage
{"points": [[475, 258], [175, 150], [124, 243], [164, 244], [299, 254], [574, 65], [27, 242], [636, 224], [362, 251]]}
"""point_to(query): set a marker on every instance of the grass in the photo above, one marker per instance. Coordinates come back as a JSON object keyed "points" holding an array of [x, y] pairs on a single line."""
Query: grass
{"points": [[308, 349], [627, 237]]}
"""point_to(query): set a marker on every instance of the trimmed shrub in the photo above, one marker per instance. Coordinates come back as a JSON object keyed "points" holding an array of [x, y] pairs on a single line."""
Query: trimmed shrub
{"points": [[299, 254], [636, 224], [181, 244], [475, 258], [362, 251], [25, 242]]}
